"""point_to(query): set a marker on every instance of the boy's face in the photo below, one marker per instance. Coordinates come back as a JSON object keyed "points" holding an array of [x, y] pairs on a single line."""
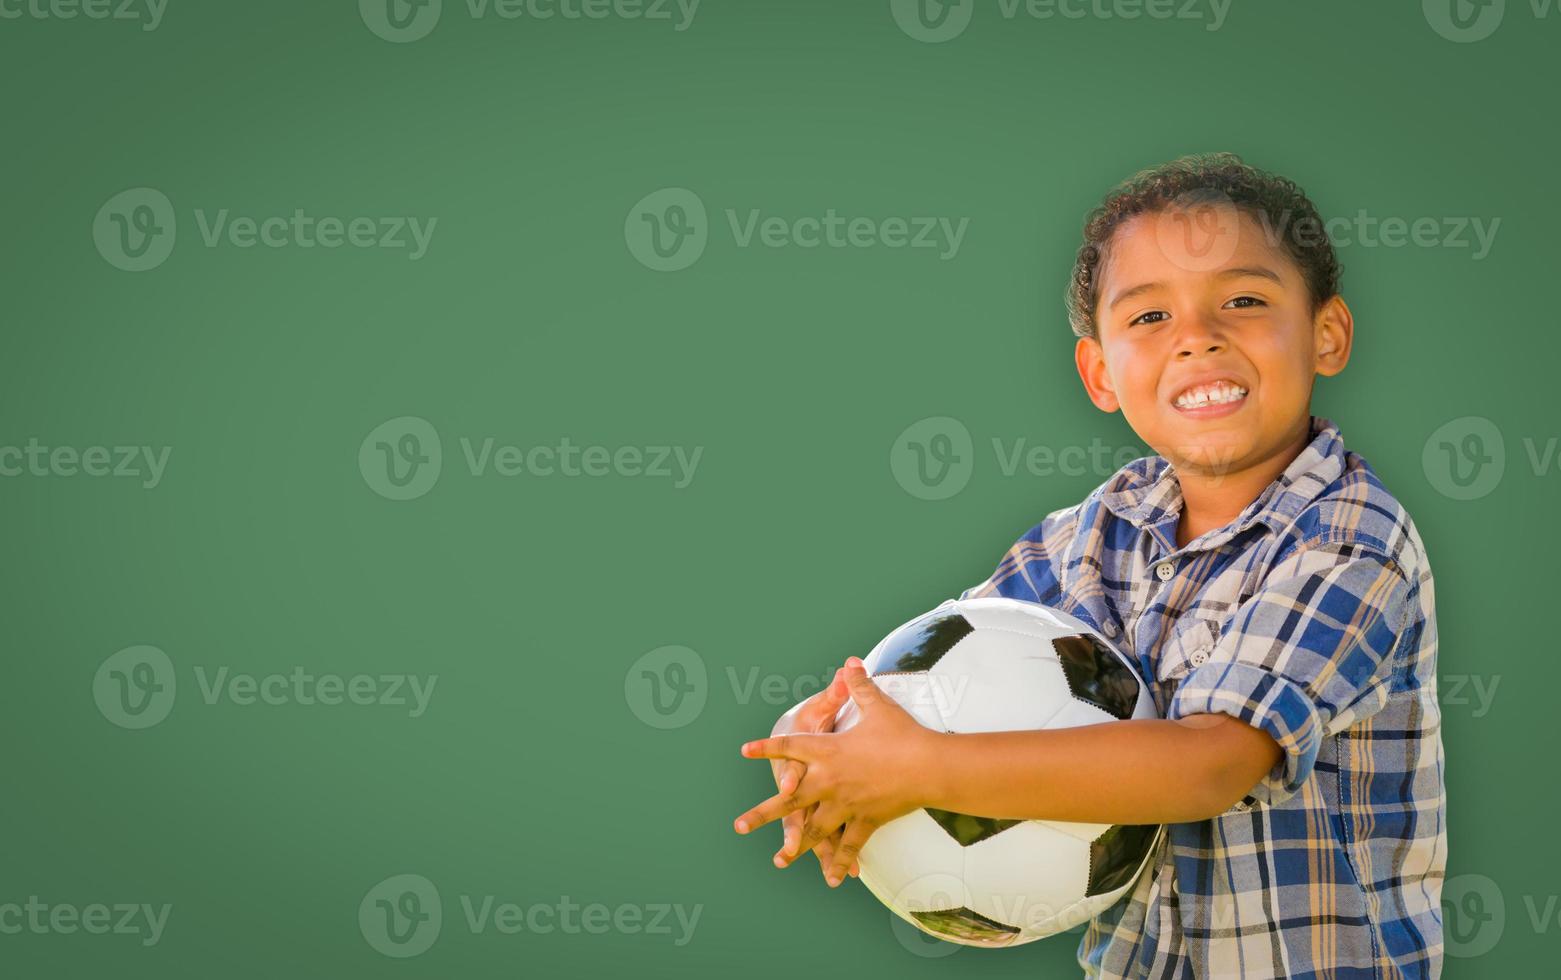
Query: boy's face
{"points": [[1193, 298]]}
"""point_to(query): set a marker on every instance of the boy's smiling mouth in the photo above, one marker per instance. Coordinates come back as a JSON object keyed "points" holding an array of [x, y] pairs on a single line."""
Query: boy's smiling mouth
{"points": [[1210, 398]]}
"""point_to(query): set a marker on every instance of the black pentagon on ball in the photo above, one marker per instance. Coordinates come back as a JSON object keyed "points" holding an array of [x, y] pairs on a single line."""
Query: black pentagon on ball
{"points": [[967, 829], [1096, 675], [919, 644], [1115, 855], [969, 925]]}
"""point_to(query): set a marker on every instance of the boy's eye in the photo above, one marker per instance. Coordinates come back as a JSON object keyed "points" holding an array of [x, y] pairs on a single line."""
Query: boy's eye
{"points": [[1142, 317], [1253, 299]]}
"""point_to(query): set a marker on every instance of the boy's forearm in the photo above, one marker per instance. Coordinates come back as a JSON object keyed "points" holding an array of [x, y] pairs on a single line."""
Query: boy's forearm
{"points": [[1141, 771]]}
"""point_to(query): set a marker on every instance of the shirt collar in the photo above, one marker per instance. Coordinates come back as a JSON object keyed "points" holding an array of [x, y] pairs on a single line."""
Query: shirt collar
{"points": [[1147, 494]]}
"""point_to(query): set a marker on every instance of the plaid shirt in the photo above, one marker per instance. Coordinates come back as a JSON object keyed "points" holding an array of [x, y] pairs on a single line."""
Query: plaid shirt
{"points": [[1311, 617]]}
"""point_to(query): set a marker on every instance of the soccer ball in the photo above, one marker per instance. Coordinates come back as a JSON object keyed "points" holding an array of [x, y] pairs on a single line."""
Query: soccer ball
{"points": [[992, 665]]}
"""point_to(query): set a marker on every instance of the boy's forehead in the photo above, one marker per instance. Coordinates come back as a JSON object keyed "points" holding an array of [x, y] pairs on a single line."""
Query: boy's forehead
{"points": [[1183, 242]]}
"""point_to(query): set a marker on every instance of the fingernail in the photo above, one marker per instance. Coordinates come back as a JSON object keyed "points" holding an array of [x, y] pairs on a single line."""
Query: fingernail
{"points": [[780, 862], [833, 881], [742, 826]]}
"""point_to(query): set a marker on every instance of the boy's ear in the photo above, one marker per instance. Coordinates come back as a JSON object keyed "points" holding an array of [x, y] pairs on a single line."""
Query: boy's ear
{"points": [[1091, 361], [1333, 332]]}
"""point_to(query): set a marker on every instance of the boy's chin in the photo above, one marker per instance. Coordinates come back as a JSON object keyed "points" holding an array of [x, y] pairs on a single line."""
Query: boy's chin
{"points": [[1211, 455]]}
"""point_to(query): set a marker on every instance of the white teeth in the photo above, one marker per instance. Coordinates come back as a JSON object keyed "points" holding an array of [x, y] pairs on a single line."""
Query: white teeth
{"points": [[1215, 394]]}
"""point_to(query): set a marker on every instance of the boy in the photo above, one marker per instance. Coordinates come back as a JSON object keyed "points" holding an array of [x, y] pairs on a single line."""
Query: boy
{"points": [[1274, 593]]}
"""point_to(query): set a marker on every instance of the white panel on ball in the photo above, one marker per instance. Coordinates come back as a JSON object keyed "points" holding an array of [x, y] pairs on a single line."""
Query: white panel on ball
{"points": [[998, 664]]}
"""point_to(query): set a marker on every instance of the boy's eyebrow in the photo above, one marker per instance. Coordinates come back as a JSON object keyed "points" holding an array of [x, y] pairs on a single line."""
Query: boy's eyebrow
{"points": [[1262, 272]]}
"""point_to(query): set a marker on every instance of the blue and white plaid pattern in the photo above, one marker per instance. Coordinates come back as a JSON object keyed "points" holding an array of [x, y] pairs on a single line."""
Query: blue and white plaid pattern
{"points": [[1312, 617]]}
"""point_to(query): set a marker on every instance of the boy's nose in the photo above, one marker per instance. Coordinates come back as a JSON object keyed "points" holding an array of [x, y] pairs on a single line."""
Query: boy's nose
{"points": [[1185, 351], [1198, 335]]}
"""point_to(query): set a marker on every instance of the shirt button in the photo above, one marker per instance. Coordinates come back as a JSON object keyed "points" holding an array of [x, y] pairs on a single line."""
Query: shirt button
{"points": [[1164, 571], [1197, 657]]}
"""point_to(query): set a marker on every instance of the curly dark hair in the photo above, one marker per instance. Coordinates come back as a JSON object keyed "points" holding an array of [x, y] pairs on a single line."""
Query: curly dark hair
{"points": [[1204, 178]]}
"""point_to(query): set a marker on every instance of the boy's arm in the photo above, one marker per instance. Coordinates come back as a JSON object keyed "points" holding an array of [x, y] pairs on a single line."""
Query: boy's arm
{"points": [[1142, 771], [1309, 653], [1138, 771]]}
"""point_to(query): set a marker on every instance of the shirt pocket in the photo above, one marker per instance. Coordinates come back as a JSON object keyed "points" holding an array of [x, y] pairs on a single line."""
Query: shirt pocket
{"points": [[1187, 649]]}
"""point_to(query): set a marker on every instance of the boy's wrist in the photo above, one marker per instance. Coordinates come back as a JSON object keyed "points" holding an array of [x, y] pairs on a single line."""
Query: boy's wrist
{"points": [[931, 770]]}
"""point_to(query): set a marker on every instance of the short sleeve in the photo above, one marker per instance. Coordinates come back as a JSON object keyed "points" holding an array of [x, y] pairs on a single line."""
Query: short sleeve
{"points": [[1307, 655]]}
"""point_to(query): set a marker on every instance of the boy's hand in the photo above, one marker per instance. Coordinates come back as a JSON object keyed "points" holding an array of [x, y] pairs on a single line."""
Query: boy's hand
{"points": [[859, 779], [816, 715]]}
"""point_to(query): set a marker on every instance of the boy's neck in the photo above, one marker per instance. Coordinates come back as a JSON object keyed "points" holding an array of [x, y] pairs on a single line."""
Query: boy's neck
{"points": [[1212, 499]]}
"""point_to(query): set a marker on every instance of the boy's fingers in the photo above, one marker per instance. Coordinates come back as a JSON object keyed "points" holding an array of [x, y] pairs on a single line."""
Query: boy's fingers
{"points": [[851, 841], [863, 691], [825, 851], [774, 808], [791, 832], [794, 822], [820, 825], [819, 715], [790, 746], [790, 776]]}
